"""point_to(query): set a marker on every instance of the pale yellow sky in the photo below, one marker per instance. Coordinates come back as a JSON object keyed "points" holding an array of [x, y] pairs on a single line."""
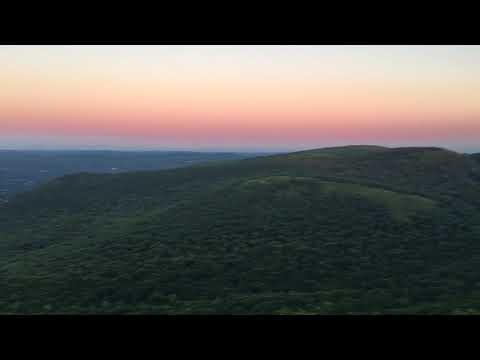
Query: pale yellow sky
{"points": [[241, 92]]}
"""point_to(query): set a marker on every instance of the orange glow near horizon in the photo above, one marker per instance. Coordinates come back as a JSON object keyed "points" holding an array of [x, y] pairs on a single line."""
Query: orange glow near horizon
{"points": [[262, 96]]}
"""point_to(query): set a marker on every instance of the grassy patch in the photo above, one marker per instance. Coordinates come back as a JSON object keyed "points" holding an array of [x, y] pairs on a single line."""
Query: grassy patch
{"points": [[401, 205]]}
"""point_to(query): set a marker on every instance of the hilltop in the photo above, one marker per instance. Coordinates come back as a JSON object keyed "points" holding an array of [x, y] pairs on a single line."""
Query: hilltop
{"points": [[355, 229]]}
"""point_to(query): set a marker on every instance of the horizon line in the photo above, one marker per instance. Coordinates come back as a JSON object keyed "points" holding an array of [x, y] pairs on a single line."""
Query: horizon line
{"points": [[235, 151]]}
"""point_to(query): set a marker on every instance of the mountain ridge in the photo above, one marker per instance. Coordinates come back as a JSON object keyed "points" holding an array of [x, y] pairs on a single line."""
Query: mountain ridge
{"points": [[320, 231]]}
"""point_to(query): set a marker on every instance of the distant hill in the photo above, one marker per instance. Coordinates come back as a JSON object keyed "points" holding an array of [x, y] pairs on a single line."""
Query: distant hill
{"points": [[23, 170], [356, 229]]}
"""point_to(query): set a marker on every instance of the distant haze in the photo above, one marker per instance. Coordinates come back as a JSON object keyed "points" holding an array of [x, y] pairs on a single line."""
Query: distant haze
{"points": [[238, 98]]}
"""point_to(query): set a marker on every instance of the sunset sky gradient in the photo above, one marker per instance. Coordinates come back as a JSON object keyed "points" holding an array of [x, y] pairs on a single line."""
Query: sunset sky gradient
{"points": [[246, 98]]}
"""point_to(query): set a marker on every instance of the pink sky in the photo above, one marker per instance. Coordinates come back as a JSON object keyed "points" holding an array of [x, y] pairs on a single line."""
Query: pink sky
{"points": [[239, 97]]}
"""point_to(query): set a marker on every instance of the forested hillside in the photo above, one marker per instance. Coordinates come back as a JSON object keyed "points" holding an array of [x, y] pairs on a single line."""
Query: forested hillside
{"points": [[476, 157], [358, 229], [23, 170]]}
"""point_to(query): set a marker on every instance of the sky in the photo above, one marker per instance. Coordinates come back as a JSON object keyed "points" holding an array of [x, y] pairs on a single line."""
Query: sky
{"points": [[238, 98]]}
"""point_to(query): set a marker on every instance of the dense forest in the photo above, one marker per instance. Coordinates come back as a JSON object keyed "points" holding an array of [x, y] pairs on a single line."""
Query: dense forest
{"points": [[345, 230], [476, 156]]}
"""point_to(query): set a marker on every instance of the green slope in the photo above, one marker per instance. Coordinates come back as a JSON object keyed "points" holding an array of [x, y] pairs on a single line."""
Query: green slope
{"points": [[384, 230], [340, 151], [401, 206]]}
